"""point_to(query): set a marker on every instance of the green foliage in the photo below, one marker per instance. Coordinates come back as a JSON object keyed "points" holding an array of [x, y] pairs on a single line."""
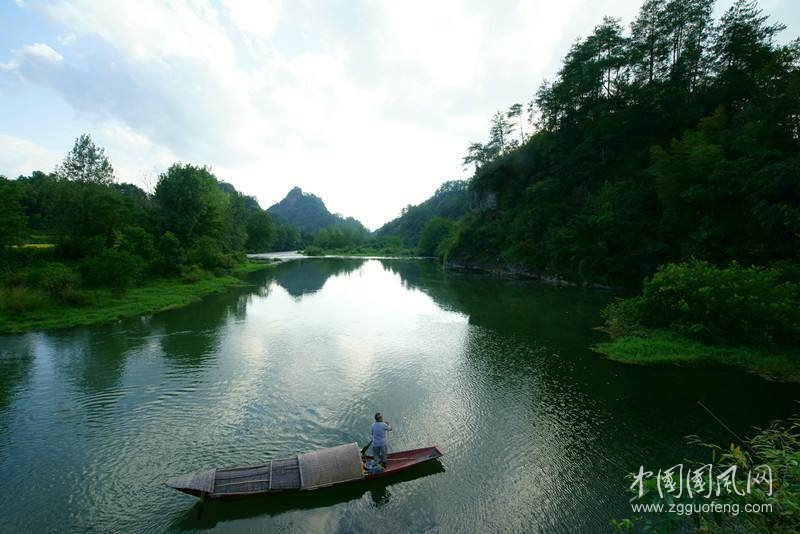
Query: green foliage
{"points": [[338, 238], [753, 306], [676, 141], [434, 233], [13, 221], [313, 250], [260, 232], [171, 254], [19, 299], [624, 316], [307, 213], [207, 253], [777, 447], [191, 203], [86, 162], [450, 201], [114, 268], [137, 241], [56, 279], [194, 274], [287, 237]]}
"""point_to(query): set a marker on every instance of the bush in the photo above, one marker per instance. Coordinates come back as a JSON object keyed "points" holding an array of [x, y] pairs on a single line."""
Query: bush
{"points": [[313, 250], [753, 306], [20, 299], [74, 297], [193, 274], [171, 255], [114, 268], [624, 316], [207, 253], [435, 232], [136, 240], [56, 279]]}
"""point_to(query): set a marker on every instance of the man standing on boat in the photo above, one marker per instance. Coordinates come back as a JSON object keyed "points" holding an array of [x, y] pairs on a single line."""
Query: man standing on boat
{"points": [[379, 448]]}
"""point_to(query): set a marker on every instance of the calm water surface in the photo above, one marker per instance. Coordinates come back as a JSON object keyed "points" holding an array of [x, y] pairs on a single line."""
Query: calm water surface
{"points": [[538, 430]]}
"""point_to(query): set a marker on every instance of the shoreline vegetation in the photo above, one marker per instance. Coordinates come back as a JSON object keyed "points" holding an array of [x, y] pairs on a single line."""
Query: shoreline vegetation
{"points": [[698, 313], [103, 305], [661, 347]]}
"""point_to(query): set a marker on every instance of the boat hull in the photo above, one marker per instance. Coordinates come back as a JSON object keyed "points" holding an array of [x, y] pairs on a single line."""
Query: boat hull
{"points": [[282, 476]]}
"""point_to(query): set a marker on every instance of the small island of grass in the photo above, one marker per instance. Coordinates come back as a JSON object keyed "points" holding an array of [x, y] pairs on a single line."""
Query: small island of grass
{"points": [[695, 312]]}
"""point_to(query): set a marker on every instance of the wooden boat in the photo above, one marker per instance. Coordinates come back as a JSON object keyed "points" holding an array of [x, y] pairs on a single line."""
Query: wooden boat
{"points": [[308, 471]]}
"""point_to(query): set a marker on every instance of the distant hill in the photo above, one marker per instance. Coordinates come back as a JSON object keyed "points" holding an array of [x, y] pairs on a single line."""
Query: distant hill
{"points": [[450, 201], [307, 213]]}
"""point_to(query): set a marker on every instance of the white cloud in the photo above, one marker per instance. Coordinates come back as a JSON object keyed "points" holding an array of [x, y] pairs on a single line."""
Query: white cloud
{"points": [[21, 156], [36, 55], [255, 17], [368, 104]]}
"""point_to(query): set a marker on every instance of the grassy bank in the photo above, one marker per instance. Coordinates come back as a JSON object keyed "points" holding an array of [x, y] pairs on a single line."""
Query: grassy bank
{"points": [[662, 347], [103, 305]]}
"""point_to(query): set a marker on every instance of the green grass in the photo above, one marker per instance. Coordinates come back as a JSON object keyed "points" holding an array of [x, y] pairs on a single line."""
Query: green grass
{"points": [[662, 347], [103, 306]]}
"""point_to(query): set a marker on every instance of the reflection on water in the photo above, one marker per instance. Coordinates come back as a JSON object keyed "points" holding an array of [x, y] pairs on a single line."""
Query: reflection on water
{"points": [[304, 277], [538, 430], [203, 516]]}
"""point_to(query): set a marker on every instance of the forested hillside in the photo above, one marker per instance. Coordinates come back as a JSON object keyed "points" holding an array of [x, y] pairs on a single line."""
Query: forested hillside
{"points": [[450, 201], [676, 139]]}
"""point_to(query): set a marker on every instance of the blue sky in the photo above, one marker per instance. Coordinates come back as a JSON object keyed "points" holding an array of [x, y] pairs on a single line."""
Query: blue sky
{"points": [[368, 104]]}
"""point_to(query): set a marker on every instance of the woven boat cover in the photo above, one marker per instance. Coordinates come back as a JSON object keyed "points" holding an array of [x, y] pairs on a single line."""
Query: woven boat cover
{"points": [[200, 481], [330, 466]]}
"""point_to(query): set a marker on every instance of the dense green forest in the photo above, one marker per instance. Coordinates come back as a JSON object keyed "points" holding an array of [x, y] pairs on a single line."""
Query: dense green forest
{"points": [[433, 219], [676, 140], [69, 232]]}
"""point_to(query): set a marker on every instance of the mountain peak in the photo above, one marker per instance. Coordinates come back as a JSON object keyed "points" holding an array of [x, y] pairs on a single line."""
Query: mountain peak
{"points": [[307, 212]]}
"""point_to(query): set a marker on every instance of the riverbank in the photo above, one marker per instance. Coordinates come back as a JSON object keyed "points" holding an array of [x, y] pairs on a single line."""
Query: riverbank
{"points": [[102, 305], [520, 271], [654, 347]]}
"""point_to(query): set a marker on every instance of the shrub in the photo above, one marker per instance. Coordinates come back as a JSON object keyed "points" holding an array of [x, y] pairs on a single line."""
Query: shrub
{"points": [[750, 305], [171, 255], [193, 274], [208, 254], [313, 250], [56, 279], [136, 240], [20, 299], [74, 297], [114, 268], [435, 231], [623, 316]]}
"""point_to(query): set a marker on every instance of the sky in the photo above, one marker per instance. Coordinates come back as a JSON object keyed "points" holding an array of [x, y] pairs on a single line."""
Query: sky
{"points": [[368, 104]]}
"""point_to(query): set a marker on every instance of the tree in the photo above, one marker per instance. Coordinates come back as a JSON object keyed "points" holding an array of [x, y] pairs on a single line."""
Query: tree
{"points": [[191, 203], [516, 111], [649, 43], [435, 231], [742, 48], [86, 162], [476, 155], [259, 231], [12, 218], [500, 135]]}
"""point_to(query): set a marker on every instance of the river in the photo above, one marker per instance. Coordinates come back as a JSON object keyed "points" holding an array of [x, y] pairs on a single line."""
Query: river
{"points": [[538, 430]]}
